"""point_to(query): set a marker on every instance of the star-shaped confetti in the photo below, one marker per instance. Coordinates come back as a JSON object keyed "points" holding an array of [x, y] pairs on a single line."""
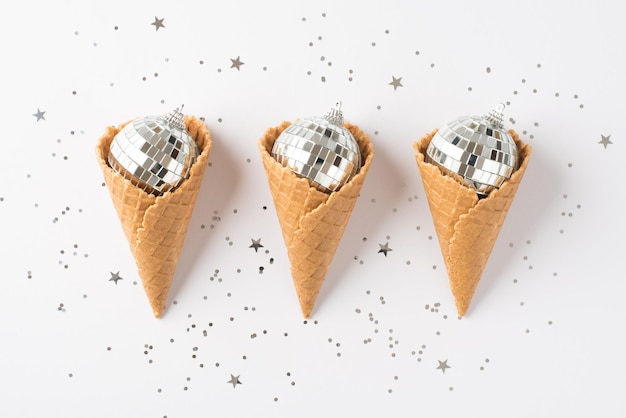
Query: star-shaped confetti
{"points": [[115, 277], [396, 82], [158, 23], [235, 380], [256, 244], [236, 63], [39, 115], [384, 248], [606, 140], [443, 365]]}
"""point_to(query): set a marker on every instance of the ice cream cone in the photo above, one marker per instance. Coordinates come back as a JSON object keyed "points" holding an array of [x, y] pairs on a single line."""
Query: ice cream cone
{"points": [[467, 227], [156, 226], [312, 222]]}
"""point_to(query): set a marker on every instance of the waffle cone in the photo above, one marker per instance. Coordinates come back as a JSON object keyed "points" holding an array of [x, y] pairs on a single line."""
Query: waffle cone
{"points": [[467, 227], [155, 226], [312, 222]]}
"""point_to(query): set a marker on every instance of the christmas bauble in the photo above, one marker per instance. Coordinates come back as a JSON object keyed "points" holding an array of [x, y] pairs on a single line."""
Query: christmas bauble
{"points": [[319, 149], [478, 149], [155, 152]]}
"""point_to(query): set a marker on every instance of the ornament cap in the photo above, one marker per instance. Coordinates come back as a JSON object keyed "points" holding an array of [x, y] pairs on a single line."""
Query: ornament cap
{"points": [[335, 115], [176, 117], [495, 115]]}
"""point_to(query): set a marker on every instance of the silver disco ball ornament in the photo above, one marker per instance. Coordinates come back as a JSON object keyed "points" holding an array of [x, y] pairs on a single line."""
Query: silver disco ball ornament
{"points": [[478, 149], [155, 153], [319, 149]]}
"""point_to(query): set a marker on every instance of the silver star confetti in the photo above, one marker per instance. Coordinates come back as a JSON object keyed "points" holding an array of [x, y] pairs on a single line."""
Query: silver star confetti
{"points": [[235, 380], [606, 140], [115, 277], [396, 82], [39, 115], [236, 63], [158, 23], [443, 365], [384, 248], [256, 244]]}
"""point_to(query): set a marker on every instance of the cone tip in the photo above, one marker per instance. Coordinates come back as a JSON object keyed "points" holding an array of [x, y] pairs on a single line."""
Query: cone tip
{"points": [[462, 306], [157, 308]]}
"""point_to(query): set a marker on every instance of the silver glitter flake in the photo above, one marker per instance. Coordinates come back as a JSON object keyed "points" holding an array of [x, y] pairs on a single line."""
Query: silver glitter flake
{"points": [[155, 153], [476, 148], [320, 149]]}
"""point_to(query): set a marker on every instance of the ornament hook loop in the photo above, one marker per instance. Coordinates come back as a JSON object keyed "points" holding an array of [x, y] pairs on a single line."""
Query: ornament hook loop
{"points": [[334, 114], [176, 118], [495, 115]]}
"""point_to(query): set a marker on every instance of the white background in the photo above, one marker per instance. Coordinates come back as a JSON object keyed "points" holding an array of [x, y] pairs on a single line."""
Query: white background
{"points": [[544, 334]]}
